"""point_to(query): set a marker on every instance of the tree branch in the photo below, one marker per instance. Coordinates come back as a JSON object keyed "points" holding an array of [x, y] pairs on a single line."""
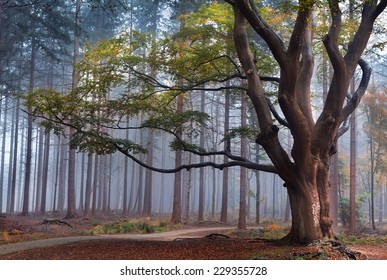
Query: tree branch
{"points": [[272, 39], [379, 9], [344, 128], [331, 39], [221, 166], [302, 21], [358, 94], [275, 114]]}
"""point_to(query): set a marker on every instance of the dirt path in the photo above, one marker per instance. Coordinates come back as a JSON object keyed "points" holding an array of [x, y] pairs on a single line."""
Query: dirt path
{"points": [[164, 236]]}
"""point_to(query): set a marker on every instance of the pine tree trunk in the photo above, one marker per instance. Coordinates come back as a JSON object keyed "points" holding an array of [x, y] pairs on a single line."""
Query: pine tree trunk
{"points": [[88, 184], [243, 171], [2, 167], [71, 194], [95, 185], [202, 171], [224, 208], [125, 204], [38, 192], [29, 134], [352, 176], [46, 158], [13, 149], [176, 209], [149, 175], [105, 203], [82, 189]]}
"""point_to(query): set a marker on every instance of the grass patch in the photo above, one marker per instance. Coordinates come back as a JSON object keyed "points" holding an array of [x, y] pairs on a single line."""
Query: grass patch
{"points": [[270, 231], [131, 226], [363, 240]]}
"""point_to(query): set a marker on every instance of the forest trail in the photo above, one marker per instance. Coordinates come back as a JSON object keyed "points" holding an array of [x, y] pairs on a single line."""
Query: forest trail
{"points": [[163, 236]]}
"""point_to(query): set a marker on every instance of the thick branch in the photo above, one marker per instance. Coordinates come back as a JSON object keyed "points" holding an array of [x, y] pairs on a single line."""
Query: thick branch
{"points": [[344, 128], [195, 85], [221, 166], [300, 27], [275, 114], [379, 9], [266, 138], [355, 49], [331, 39], [305, 78], [272, 39], [358, 94]]}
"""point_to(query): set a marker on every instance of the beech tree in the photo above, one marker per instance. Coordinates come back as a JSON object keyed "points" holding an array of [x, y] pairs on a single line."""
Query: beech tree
{"points": [[306, 174], [212, 68]]}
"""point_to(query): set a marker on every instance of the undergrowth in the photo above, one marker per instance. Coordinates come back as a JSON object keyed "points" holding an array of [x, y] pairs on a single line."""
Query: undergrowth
{"points": [[363, 240], [130, 226], [270, 231]]}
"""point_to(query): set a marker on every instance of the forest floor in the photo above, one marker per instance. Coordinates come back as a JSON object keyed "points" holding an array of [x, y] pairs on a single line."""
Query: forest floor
{"points": [[103, 238]]}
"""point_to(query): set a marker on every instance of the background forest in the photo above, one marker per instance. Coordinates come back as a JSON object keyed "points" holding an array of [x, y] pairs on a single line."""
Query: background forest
{"points": [[69, 62]]}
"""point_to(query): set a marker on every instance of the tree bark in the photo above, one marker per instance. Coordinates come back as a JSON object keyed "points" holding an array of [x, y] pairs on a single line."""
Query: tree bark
{"points": [[88, 184], [353, 177], [39, 163], [95, 185], [224, 209], [306, 176], [29, 133], [202, 171], [46, 157], [4, 135], [148, 190], [243, 171], [71, 195], [176, 209], [13, 155]]}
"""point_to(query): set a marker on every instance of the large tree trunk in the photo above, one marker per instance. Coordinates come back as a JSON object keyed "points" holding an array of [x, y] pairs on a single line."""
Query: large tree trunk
{"points": [[306, 177], [306, 173]]}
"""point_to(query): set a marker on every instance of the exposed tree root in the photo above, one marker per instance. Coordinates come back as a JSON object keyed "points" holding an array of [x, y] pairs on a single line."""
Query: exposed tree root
{"points": [[216, 236], [328, 250]]}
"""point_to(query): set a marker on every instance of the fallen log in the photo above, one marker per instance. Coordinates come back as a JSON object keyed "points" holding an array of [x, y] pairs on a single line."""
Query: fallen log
{"points": [[51, 221]]}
